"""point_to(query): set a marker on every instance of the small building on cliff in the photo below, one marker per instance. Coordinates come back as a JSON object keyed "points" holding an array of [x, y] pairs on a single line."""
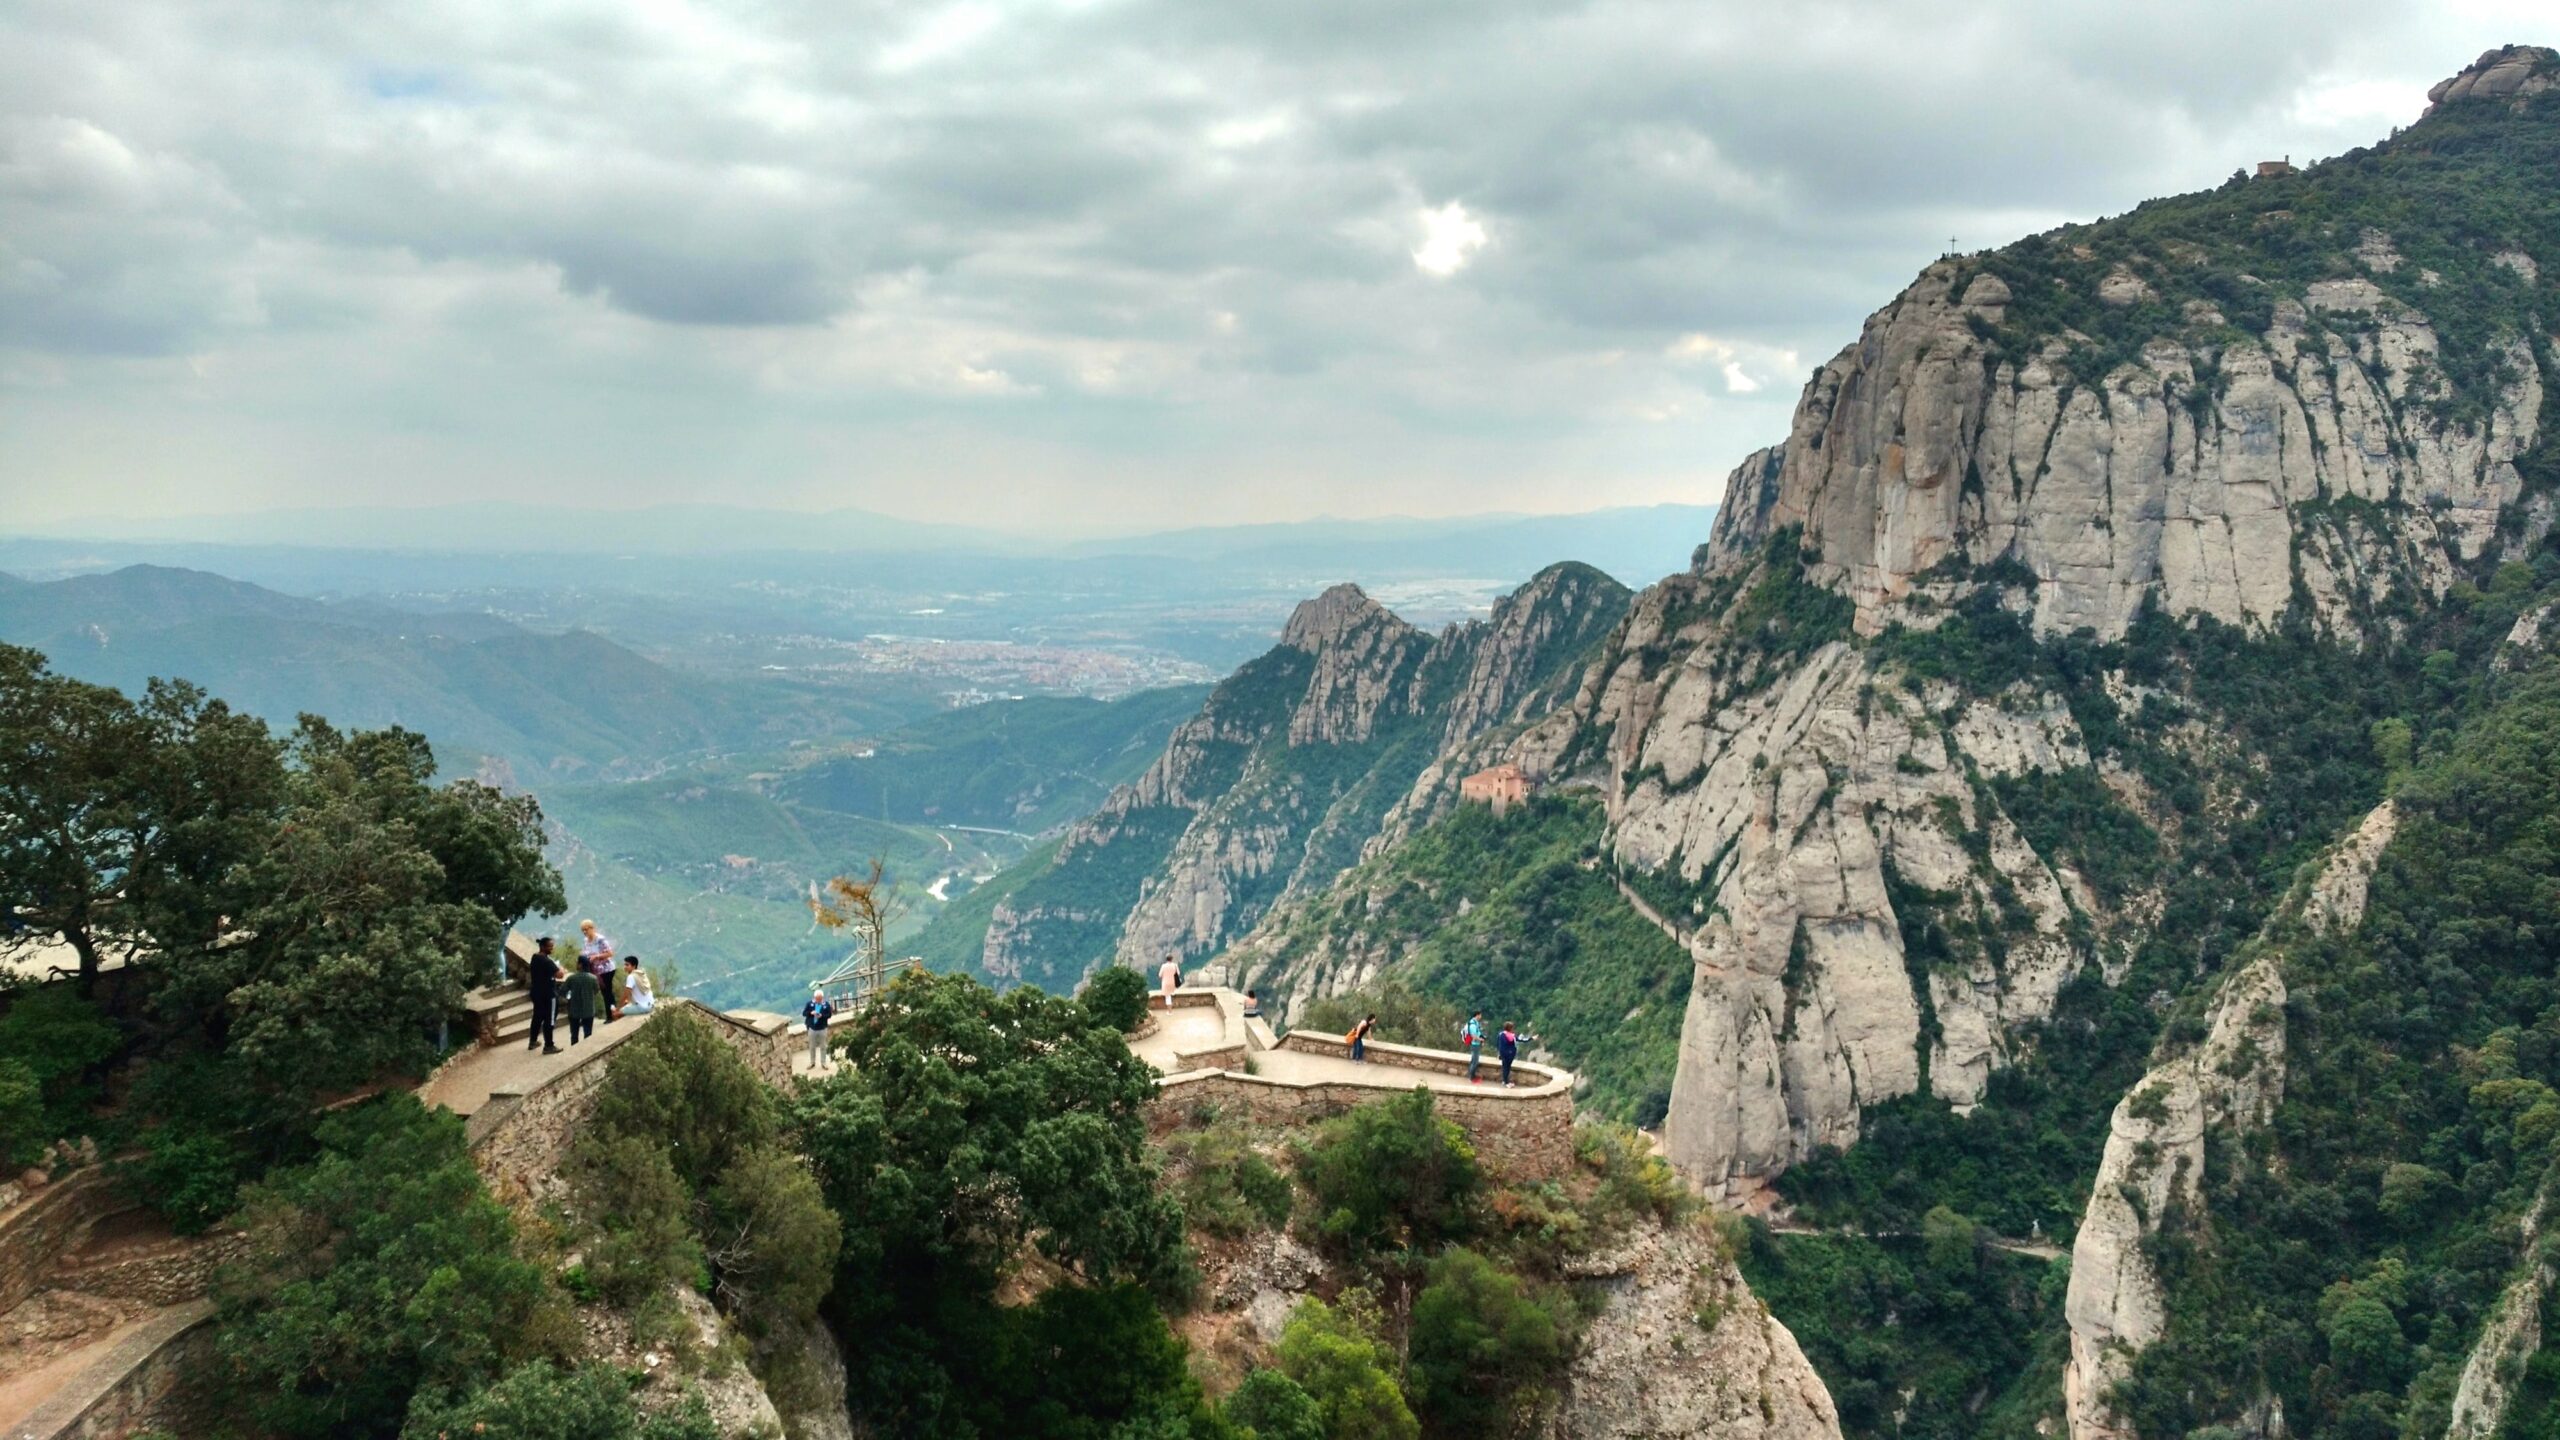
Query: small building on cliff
{"points": [[1501, 787]]}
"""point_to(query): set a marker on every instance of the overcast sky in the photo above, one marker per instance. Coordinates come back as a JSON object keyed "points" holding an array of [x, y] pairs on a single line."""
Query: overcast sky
{"points": [[1089, 264]]}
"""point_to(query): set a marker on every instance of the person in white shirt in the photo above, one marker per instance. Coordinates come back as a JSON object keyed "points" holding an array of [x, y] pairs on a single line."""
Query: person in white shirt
{"points": [[1169, 976]]}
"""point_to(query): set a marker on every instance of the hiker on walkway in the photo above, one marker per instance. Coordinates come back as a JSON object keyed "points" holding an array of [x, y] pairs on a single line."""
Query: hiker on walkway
{"points": [[1473, 1034], [585, 995], [816, 1014], [1169, 978], [1507, 1045], [542, 980], [638, 996], [595, 953], [1359, 1038]]}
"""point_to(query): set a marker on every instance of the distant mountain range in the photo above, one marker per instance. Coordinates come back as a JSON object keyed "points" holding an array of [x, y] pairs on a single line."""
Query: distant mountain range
{"points": [[1634, 543], [566, 704]]}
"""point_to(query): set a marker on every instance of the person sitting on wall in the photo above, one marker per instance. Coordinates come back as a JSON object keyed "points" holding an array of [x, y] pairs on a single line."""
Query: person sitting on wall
{"points": [[1253, 1004], [630, 986]]}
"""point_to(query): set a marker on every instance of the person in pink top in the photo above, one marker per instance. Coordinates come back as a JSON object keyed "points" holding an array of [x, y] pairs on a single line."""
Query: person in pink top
{"points": [[595, 956]]}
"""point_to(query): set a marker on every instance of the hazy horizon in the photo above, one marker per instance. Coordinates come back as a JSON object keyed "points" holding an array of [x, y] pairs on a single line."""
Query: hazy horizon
{"points": [[1092, 268]]}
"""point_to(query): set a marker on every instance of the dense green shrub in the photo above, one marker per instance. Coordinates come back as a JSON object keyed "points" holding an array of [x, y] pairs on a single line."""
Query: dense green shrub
{"points": [[1483, 1347], [2355, 1247], [380, 1267], [59, 1040], [1934, 1338], [1116, 997], [1406, 1016], [1392, 1175], [678, 1086], [1275, 1407], [969, 1131], [540, 1401], [1225, 1185], [683, 1166], [23, 1131], [633, 1220], [1335, 1354]]}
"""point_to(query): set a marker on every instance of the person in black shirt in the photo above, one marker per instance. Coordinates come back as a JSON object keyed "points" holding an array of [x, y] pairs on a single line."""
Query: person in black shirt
{"points": [[543, 979]]}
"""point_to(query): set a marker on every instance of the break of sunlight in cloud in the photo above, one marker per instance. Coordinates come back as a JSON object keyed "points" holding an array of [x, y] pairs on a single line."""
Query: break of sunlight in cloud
{"points": [[1450, 238]]}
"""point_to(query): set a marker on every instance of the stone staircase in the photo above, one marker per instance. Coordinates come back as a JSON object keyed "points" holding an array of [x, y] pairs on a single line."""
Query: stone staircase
{"points": [[500, 1013]]}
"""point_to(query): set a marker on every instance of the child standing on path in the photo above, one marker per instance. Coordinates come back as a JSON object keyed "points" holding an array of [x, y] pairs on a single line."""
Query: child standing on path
{"points": [[583, 992], [817, 1013], [1473, 1033]]}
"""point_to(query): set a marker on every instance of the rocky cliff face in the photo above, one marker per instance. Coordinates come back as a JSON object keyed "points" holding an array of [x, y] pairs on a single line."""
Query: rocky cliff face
{"points": [[1682, 1347], [2211, 476], [1289, 771], [2099, 424], [2155, 1157]]}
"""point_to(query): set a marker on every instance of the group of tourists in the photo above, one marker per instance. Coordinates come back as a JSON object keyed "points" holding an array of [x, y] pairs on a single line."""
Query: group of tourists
{"points": [[1470, 1035], [598, 985]]}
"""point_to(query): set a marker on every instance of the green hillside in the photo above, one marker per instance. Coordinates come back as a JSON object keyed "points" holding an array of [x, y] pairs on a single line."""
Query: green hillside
{"points": [[1028, 765]]}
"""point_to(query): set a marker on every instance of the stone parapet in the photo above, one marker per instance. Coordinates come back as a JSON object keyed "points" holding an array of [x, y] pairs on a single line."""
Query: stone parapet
{"points": [[137, 1386], [1436, 1062], [1521, 1136]]}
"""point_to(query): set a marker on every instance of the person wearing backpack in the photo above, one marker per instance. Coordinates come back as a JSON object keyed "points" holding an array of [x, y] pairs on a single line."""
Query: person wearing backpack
{"points": [[1359, 1038], [1473, 1034]]}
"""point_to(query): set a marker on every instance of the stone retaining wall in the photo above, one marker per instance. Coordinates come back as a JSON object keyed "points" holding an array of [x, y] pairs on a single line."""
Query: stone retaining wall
{"points": [[51, 1223], [1229, 1056], [172, 1273], [1521, 1135], [1438, 1062], [761, 1039], [518, 1138]]}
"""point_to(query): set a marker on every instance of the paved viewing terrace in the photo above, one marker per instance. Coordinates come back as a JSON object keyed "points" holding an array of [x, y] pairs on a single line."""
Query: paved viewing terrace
{"points": [[1213, 1058]]}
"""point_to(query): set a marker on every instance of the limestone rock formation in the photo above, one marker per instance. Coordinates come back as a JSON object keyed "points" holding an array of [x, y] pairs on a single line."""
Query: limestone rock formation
{"points": [[1289, 771], [2508, 1339], [2155, 1155], [1921, 446], [1682, 1347], [2510, 70]]}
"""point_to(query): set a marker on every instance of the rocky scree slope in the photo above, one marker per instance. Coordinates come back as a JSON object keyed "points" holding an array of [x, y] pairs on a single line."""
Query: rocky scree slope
{"points": [[1286, 773]]}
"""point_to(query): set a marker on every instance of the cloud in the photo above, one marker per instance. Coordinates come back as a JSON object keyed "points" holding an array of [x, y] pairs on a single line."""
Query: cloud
{"points": [[1107, 261], [1450, 238]]}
